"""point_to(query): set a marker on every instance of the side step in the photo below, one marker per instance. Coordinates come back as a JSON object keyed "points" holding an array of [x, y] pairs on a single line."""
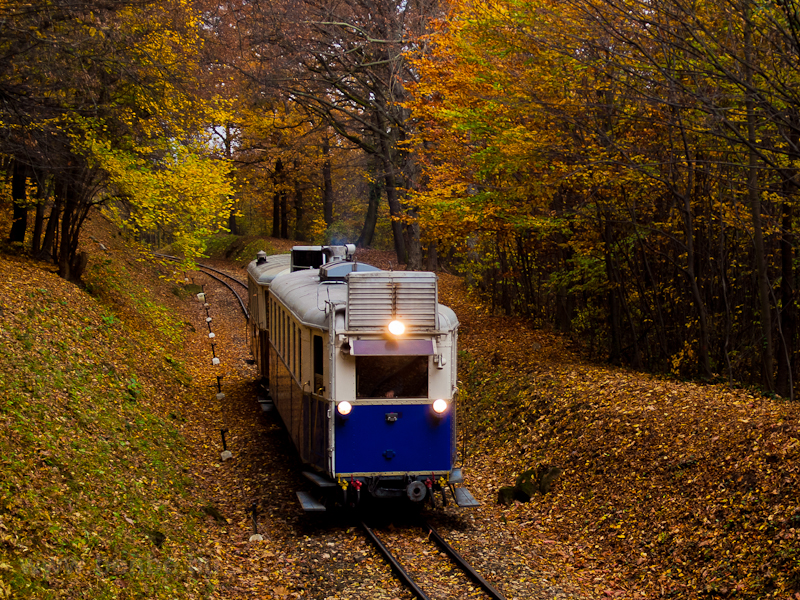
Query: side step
{"points": [[464, 498], [266, 403], [456, 476], [309, 504], [318, 480]]}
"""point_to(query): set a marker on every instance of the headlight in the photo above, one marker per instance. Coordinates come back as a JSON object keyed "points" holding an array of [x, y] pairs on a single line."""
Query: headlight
{"points": [[397, 328], [344, 408], [439, 406]]}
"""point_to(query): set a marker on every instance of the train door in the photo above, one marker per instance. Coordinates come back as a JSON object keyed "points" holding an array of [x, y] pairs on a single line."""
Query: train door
{"points": [[318, 353], [316, 418]]}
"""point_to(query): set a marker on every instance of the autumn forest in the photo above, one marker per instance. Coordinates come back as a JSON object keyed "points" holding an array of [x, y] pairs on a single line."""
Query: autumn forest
{"points": [[623, 171]]}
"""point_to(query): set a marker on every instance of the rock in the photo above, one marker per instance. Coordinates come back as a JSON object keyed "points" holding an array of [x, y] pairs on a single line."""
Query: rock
{"points": [[539, 479], [506, 495], [547, 478], [213, 511], [156, 537]]}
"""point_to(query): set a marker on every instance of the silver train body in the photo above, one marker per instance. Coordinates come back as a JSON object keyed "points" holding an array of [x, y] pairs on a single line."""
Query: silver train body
{"points": [[369, 407]]}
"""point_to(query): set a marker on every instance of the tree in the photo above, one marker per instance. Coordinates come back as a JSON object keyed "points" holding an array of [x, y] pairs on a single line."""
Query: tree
{"points": [[627, 160], [78, 76], [344, 64]]}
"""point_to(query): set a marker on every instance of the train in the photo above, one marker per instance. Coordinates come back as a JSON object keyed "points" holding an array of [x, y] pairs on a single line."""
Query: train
{"points": [[360, 364]]}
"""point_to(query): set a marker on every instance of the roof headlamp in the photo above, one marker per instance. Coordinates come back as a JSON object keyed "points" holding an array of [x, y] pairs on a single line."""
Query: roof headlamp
{"points": [[397, 328]]}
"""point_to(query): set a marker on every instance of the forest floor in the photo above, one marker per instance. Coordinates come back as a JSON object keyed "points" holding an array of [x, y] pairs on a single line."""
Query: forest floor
{"points": [[113, 483]]}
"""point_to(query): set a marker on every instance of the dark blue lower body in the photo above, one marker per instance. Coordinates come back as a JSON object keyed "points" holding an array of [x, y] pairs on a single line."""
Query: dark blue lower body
{"points": [[396, 439]]}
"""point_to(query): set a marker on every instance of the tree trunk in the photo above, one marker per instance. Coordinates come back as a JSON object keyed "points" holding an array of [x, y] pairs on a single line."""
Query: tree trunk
{"points": [[432, 258], [71, 263], [327, 184], [702, 313], [395, 211], [38, 224], [754, 198], [43, 192], [233, 226], [19, 224], [48, 249], [368, 231], [64, 254], [614, 312], [299, 217], [412, 241], [788, 315], [276, 200], [284, 215], [390, 179]]}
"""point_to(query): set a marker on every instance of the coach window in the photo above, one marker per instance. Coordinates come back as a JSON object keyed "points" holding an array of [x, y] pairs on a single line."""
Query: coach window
{"points": [[391, 376], [298, 362], [319, 383], [293, 348]]}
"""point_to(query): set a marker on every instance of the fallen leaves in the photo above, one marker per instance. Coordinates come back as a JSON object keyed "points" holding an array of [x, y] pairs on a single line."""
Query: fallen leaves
{"points": [[675, 487], [668, 487]]}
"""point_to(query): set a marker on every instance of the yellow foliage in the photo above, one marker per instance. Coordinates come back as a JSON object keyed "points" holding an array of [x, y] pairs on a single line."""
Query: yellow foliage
{"points": [[185, 194]]}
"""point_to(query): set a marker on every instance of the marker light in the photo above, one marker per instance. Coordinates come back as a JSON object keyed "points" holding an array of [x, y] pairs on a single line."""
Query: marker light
{"points": [[439, 406], [397, 328], [344, 408]]}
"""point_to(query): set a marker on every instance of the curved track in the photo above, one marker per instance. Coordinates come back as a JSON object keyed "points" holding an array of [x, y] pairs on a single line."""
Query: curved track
{"points": [[459, 560], [205, 270]]}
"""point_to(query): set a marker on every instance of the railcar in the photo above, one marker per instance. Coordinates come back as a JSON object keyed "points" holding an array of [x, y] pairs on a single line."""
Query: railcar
{"points": [[360, 364]]}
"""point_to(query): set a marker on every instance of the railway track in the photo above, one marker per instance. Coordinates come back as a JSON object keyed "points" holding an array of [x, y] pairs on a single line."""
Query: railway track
{"points": [[446, 548], [209, 271]]}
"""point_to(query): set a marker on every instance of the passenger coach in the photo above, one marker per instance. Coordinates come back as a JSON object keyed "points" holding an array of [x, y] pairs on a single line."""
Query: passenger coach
{"points": [[361, 366]]}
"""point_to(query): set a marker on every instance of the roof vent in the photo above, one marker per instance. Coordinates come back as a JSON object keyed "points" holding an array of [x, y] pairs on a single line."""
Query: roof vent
{"points": [[337, 271], [374, 299], [261, 257]]}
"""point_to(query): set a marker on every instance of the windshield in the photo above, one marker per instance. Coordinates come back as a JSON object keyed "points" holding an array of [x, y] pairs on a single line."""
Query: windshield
{"points": [[391, 377]]}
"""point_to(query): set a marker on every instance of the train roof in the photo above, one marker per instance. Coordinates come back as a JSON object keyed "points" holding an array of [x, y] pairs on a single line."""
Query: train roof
{"points": [[264, 272], [306, 293]]}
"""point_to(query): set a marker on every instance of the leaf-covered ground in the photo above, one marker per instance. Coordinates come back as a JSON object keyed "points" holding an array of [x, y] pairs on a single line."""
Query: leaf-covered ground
{"points": [[113, 484], [669, 489], [95, 495]]}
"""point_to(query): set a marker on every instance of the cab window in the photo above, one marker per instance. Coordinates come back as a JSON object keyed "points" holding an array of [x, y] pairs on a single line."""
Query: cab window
{"points": [[391, 376]]}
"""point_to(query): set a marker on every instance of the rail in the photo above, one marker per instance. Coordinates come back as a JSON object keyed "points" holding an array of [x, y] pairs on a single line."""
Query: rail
{"points": [[205, 268], [463, 564], [459, 560]]}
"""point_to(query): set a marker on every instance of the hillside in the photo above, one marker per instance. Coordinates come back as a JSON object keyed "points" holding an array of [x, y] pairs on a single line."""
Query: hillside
{"points": [[96, 498], [669, 488]]}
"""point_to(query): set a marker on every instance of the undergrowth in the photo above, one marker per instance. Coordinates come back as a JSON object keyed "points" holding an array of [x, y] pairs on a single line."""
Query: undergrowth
{"points": [[95, 500], [687, 490]]}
